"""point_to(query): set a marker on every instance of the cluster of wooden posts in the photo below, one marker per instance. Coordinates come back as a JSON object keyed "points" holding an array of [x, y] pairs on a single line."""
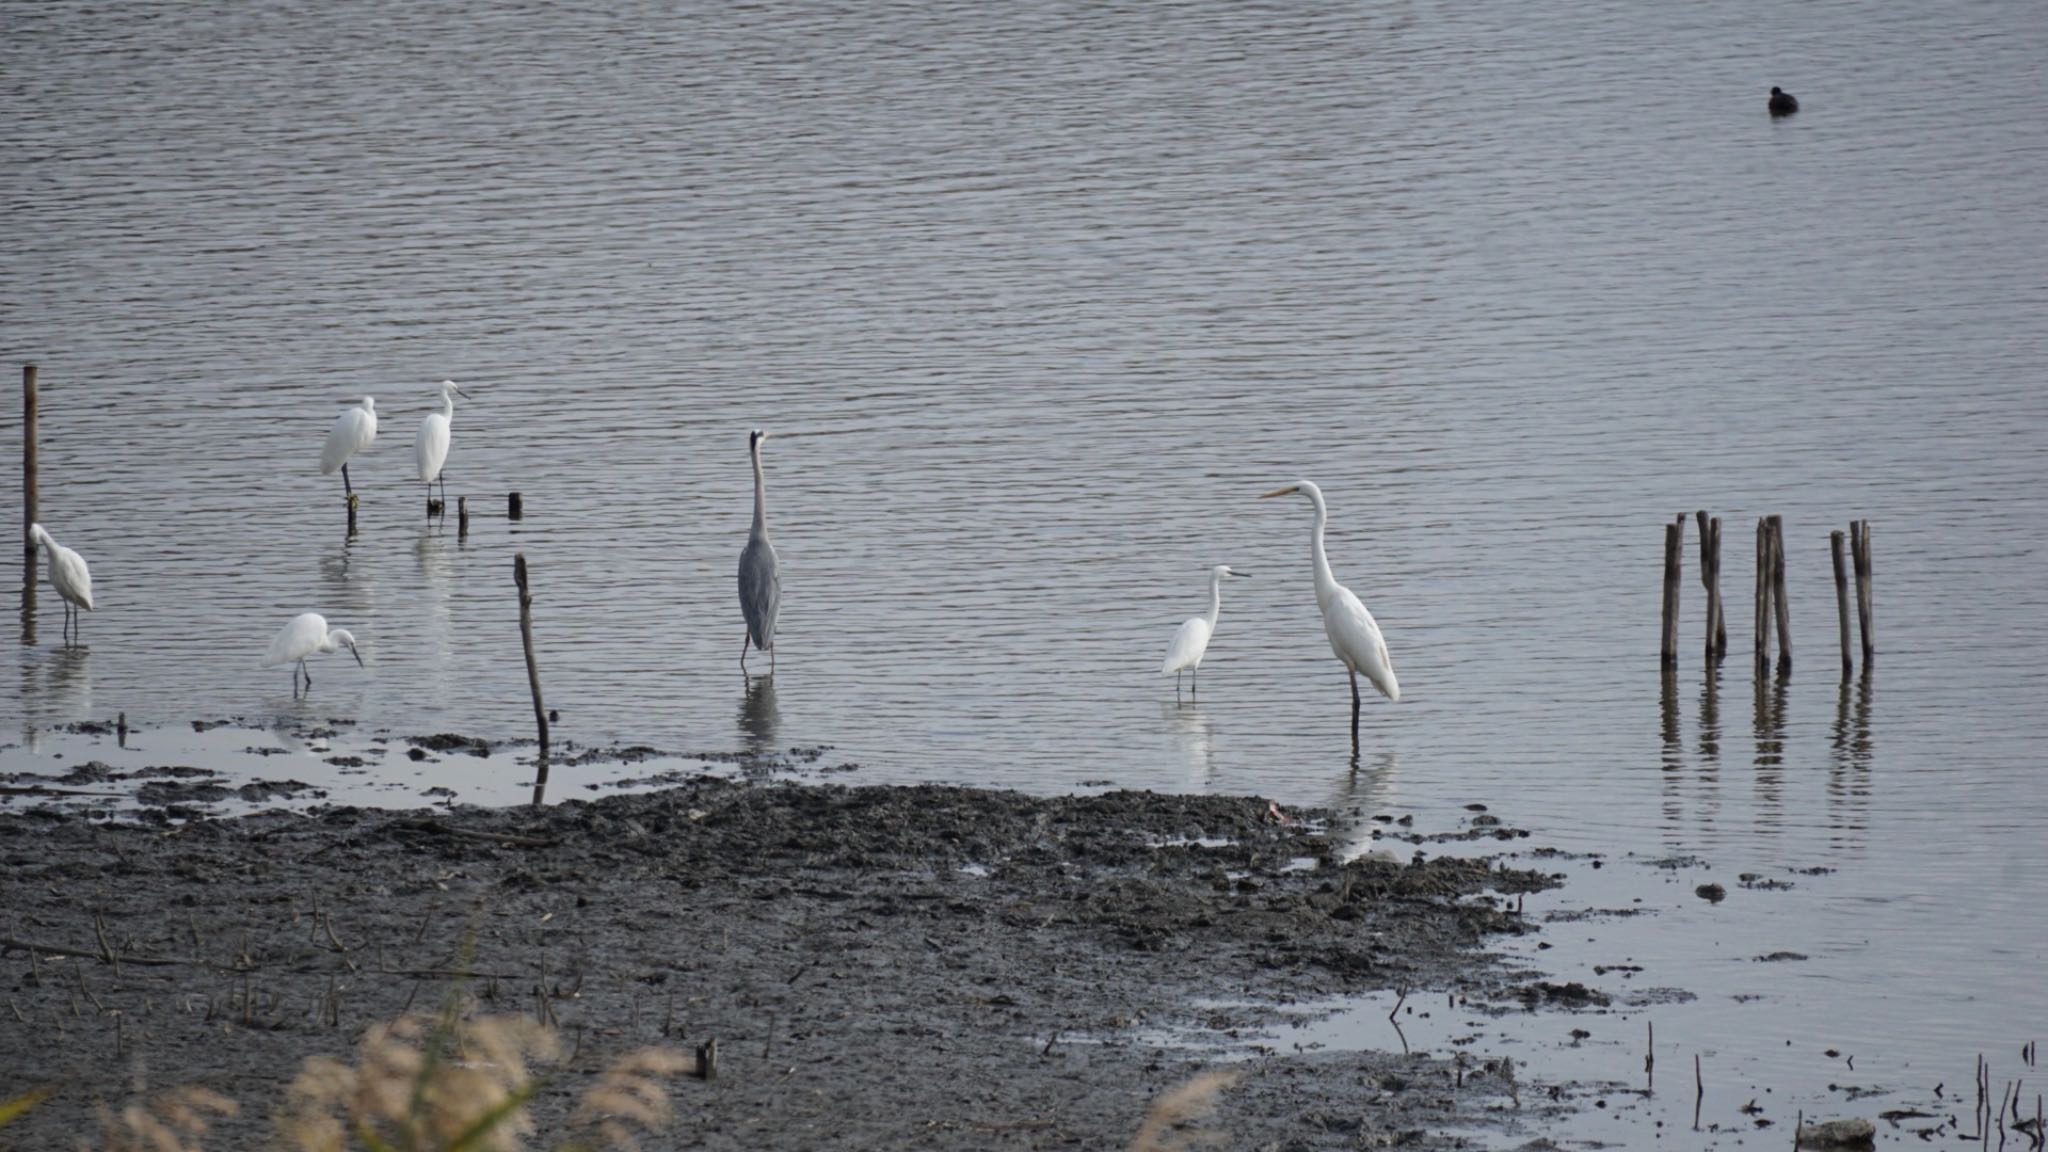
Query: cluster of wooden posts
{"points": [[1773, 610]]}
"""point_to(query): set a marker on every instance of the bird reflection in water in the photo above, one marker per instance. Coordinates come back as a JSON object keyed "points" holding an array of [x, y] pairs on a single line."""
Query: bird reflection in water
{"points": [[1360, 797], [1194, 738], [759, 718]]}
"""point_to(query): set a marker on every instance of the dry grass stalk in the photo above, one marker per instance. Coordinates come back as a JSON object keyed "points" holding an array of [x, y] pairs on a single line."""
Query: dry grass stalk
{"points": [[420, 1085], [173, 1121], [631, 1094], [1169, 1124]]}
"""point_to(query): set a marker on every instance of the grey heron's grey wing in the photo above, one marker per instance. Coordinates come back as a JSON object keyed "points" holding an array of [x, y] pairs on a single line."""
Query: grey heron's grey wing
{"points": [[760, 592]]}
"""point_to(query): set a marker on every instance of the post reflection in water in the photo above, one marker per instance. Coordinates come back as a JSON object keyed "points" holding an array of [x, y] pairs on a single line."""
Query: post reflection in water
{"points": [[759, 718], [1769, 724], [1849, 757], [1357, 800], [28, 603]]}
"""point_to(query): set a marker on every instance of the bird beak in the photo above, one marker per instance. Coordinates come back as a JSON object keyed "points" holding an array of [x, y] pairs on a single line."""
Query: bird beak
{"points": [[358, 655], [459, 391], [1235, 572], [1289, 491]]}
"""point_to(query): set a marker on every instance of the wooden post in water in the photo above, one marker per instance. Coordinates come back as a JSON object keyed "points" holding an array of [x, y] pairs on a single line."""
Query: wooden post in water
{"points": [[1779, 601], [461, 517], [1763, 590], [1710, 575], [1841, 598], [1861, 532], [353, 500], [28, 459], [1674, 547], [515, 508], [540, 712]]}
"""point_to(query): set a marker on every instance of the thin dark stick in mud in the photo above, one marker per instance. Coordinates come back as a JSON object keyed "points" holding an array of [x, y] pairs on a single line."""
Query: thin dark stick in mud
{"points": [[1699, 1091], [29, 497], [1650, 1060], [10, 944], [1674, 544], [1779, 603], [540, 712], [1841, 595], [1396, 1009]]}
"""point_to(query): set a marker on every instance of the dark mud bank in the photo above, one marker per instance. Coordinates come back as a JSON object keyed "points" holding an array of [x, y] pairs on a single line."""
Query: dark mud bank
{"points": [[882, 967]]}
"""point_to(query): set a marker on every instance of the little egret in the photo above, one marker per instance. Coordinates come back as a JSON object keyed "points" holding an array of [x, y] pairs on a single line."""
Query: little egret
{"points": [[1354, 635], [430, 447], [69, 576], [1193, 638], [760, 582], [352, 432], [305, 635]]}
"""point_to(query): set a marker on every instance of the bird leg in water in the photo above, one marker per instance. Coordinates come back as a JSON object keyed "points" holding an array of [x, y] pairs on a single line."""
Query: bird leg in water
{"points": [[1195, 680], [1354, 708], [346, 488], [744, 641]]}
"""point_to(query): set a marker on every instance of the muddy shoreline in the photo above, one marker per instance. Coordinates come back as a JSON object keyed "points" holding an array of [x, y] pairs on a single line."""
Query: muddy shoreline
{"points": [[882, 966]]}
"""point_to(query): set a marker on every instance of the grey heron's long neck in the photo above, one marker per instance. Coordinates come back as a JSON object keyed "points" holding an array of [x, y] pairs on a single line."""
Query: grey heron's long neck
{"points": [[760, 496], [1215, 598], [1324, 580]]}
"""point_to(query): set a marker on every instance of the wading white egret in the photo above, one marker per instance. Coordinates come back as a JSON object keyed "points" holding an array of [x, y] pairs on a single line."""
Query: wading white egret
{"points": [[69, 576], [760, 581], [1354, 634], [305, 635], [1193, 638], [430, 446], [352, 432]]}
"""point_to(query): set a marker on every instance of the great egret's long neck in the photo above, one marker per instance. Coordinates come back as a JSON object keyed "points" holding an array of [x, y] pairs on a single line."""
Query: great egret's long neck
{"points": [[448, 407], [1215, 598], [1326, 584], [760, 495]]}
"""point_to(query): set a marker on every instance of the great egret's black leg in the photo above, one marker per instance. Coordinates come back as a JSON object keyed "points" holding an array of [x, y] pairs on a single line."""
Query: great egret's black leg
{"points": [[346, 488], [744, 642], [1354, 708]]}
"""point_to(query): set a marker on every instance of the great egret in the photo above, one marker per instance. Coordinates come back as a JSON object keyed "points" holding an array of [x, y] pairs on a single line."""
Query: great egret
{"points": [[69, 576], [1354, 634], [305, 635], [1193, 638], [430, 446], [352, 432], [1783, 103], [760, 583]]}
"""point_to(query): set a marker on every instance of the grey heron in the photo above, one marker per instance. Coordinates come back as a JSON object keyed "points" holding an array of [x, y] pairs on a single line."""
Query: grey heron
{"points": [[352, 432], [1193, 638], [760, 582], [430, 446], [68, 575], [306, 634], [1354, 634]]}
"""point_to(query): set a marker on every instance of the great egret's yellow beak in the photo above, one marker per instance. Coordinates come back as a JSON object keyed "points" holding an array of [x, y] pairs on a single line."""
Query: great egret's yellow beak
{"points": [[1290, 490]]}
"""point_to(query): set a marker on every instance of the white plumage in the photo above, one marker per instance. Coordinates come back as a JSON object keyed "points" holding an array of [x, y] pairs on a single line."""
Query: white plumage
{"points": [[352, 432], [306, 634], [1354, 635], [68, 575], [430, 446], [1191, 641]]}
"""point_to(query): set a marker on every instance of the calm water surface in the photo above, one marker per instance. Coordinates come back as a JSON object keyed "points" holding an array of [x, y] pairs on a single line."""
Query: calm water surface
{"points": [[1036, 299]]}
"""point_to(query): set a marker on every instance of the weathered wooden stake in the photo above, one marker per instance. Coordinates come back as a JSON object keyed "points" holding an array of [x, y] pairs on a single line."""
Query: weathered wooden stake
{"points": [[1863, 594], [515, 508], [540, 712], [1674, 538], [461, 517], [353, 500], [707, 1059], [28, 459], [1778, 599], [1841, 596], [1710, 575], [1763, 590]]}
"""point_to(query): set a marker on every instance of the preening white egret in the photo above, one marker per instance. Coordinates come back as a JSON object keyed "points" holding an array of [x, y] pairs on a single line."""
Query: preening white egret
{"points": [[352, 432], [1354, 634], [430, 446], [69, 576], [1193, 638], [760, 582], [305, 635]]}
